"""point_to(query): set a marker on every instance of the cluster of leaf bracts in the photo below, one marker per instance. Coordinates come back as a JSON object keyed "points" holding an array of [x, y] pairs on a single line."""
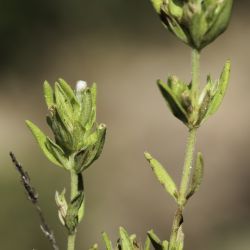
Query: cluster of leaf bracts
{"points": [[193, 110], [129, 242], [195, 22], [78, 139]]}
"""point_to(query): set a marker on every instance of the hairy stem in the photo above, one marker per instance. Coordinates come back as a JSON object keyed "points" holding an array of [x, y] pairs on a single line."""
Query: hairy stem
{"points": [[71, 241], [190, 147], [74, 184], [195, 74], [187, 169], [76, 187]]}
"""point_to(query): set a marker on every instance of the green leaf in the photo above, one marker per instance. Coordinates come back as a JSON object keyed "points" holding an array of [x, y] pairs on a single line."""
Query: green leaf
{"points": [[107, 241], [162, 175], [147, 244], [176, 8], [198, 27], [177, 87], [86, 107], [173, 25], [68, 91], [92, 120], [204, 102], [87, 156], [165, 245], [42, 139], [173, 102], [64, 107], [63, 135], [220, 21], [92, 138], [81, 212], [132, 238], [80, 159], [57, 153], [72, 218], [101, 140], [155, 241], [197, 176], [71, 97], [220, 89], [157, 5], [125, 240], [94, 247], [48, 94], [93, 91], [92, 116]]}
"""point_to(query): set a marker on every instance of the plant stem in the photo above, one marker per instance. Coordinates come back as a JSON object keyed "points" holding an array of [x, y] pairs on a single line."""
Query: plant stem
{"points": [[71, 241], [190, 147], [195, 74], [187, 169], [76, 186]]}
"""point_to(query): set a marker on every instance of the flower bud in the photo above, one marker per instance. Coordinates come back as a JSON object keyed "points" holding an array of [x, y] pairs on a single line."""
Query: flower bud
{"points": [[195, 22]]}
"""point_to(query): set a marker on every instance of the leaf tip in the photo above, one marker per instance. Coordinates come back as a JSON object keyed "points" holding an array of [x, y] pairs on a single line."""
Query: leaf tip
{"points": [[227, 66], [94, 85], [228, 63], [160, 83], [148, 156], [29, 123], [46, 83]]}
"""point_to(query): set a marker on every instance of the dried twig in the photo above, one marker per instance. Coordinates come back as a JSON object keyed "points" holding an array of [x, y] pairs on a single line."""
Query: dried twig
{"points": [[33, 197]]}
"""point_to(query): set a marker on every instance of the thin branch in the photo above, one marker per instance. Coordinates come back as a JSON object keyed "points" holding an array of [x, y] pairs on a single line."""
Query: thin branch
{"points": [[33, 197]]}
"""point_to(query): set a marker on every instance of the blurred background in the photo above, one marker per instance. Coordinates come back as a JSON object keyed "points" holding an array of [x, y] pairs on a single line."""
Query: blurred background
{"points": [[124, 48]]}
